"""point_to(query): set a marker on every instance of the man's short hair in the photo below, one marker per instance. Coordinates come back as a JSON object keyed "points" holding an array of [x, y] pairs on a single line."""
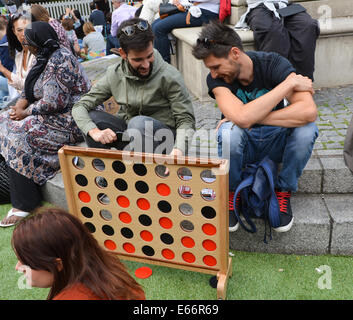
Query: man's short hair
{"points": [[216, 39], [135, 34]]}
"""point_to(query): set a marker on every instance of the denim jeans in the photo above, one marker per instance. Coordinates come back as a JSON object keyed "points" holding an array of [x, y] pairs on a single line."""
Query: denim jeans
{"points": [[4, 92], [112, 42], [142, 133], [162, 27], [290, 146]]}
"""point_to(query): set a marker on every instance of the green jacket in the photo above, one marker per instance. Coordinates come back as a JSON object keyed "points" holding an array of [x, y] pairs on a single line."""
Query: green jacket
{"points": [[162, 96]]}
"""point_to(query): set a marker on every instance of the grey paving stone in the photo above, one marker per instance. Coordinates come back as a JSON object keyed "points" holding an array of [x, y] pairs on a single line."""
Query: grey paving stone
{"points": [[341, 211], [337, 178], [310, 233], [311, 179]]}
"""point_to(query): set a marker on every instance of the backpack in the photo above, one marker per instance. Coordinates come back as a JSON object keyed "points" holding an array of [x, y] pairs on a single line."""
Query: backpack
{"points": [[258, 197]]}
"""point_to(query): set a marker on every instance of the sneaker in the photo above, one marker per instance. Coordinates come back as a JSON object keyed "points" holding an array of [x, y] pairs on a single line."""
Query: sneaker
{"points": [[286, 216], [233, 221]]}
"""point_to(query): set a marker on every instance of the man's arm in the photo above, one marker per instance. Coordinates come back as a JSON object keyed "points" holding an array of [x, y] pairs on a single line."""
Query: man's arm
{"points": [[182, 111], [99, 93], [302, 110], [258, 110]]}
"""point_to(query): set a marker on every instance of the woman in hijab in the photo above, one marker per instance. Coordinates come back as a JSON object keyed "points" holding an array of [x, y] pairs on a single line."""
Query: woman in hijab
{"points": [[32, 131]]}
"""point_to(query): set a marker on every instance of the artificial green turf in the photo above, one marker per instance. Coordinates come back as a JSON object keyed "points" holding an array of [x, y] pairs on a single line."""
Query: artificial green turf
{"points": [[255, 276]]}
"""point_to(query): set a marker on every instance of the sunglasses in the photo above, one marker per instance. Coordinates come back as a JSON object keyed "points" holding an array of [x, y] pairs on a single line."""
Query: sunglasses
{"points": [[130, 30], [207, 43]]}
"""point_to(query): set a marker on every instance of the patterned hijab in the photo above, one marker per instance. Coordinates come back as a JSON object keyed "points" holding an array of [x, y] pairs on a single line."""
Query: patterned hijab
{"points": [[43, 37]]}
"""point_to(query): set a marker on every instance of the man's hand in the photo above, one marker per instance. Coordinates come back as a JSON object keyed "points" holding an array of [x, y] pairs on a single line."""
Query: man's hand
{"points": [[176, 153], [221, 122], [300, 83], [103, 136]]}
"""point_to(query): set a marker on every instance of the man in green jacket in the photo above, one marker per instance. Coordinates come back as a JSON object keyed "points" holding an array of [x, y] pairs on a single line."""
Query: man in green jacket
{"points": [[155, 106]]}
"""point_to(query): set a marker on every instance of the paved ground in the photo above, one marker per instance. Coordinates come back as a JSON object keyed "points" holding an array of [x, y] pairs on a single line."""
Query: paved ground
{"points": [[335, 107]]}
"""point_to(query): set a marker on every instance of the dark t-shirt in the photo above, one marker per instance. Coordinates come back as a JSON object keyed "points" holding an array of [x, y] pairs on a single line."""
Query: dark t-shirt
{"points": [[270, 69]]}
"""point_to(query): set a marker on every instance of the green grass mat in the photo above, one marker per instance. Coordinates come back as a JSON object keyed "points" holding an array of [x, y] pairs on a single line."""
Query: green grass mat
{"points": [[255, 276]]}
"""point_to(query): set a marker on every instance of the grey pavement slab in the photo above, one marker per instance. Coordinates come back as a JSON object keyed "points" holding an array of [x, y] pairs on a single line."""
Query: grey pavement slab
{"points": [[310, 233], [341, 212]]}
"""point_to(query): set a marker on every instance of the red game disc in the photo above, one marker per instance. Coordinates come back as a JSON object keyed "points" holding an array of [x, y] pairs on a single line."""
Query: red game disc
{"points": [[143, 272]]}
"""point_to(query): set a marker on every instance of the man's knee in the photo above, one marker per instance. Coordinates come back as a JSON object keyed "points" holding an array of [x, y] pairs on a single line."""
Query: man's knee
{"points": [[140, 123], [230, 138], [305, 137]]}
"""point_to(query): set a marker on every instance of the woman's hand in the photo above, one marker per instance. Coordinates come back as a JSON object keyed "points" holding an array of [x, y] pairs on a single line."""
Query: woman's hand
{"points": [[18, 114], [19, 111]]}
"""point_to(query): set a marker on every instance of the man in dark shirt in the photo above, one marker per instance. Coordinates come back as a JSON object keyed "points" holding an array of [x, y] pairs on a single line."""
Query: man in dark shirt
{"points": [[250, 88], [97, 16]]}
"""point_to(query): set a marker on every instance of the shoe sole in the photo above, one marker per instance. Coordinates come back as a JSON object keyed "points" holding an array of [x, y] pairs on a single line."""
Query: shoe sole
{"points": [[284, 228], [235, 228]]}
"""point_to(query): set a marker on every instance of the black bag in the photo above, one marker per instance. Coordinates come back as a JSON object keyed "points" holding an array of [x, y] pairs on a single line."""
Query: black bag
{"points": [[291, 10], [167, 9], [4, 182]]}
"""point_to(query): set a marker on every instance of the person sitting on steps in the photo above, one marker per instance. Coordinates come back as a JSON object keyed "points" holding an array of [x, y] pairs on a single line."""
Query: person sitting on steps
{"points": [[250, 88]]}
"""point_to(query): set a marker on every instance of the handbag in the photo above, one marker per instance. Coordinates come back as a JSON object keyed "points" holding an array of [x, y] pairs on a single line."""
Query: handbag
{"points": [[4, 182], [168, 9], [258, 196]]}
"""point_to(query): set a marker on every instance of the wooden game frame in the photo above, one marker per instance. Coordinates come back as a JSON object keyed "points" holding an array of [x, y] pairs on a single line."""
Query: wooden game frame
{"points": [[223, 267]]}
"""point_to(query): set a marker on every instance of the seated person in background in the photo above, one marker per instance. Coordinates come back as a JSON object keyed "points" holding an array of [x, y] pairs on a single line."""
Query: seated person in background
{"points": [[24, 59], [68, 24], [151, 93], [5, 61], [150, 10], [294, 37], [97, 17], [93, 43], [199, 13], [39, 13], [122, 12], [32, 132], [64, 256], [249, 88], [78, 22]]}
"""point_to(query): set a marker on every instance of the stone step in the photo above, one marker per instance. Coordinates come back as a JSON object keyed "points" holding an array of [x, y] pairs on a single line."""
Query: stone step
{"points": [[323, 224], [318, 9]]}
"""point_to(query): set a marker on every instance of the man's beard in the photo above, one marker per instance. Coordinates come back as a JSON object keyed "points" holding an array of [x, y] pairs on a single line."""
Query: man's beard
{"points": [[138, 74]]}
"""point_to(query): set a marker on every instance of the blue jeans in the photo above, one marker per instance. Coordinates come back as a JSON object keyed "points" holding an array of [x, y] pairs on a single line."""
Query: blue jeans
{"points": [[291, 146], [162, 27], [112, 42], [4, 91]]}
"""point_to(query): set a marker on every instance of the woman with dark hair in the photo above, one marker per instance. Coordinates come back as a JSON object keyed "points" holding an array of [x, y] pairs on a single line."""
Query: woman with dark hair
{"points": [[79, 24], [23, 58], [32, 131], [65, 257]]}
